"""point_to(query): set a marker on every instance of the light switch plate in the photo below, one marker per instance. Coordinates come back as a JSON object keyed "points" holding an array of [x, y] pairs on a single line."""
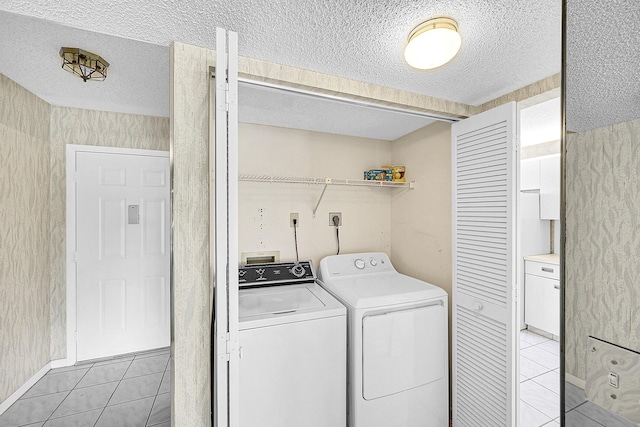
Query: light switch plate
{"points": [[608, 364]]}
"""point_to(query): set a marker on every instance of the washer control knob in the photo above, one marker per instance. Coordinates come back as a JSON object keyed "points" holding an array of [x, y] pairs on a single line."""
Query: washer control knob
{"points": [[373, 262], [298, 270], [359, 264]]}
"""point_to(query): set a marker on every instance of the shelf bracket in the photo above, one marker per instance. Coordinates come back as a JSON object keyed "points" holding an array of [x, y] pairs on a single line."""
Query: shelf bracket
{"points": [[327, 181]]}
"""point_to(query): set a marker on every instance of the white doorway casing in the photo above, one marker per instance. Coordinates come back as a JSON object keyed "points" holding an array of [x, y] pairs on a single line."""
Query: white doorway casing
{"points": [[133, 330]]}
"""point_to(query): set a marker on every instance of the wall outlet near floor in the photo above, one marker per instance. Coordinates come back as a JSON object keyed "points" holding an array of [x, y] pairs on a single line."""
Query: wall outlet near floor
{"points": [[332, 215], [292, 216]]}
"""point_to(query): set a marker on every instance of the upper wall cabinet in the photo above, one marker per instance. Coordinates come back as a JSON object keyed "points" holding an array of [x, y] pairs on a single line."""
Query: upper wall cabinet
{"points": [[550, 187], [530, 174]]}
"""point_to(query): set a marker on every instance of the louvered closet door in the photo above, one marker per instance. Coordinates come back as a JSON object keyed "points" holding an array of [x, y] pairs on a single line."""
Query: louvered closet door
{"points": [[484, 336]]}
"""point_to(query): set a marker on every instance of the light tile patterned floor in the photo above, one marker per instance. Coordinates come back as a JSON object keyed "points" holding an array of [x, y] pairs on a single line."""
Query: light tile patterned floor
{"points": [[582, 413], [539, 380], [131, 391], [540, 390]]}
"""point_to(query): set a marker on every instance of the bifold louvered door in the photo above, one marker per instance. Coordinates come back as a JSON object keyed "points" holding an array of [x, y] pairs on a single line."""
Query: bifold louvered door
{"points": [[223, 230], [484, 335]]}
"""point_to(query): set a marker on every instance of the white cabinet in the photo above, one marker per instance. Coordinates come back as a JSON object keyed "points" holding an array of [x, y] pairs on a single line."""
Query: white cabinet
{"points": [[530, 174], [550, 187], [543, 174], [542, 295]]}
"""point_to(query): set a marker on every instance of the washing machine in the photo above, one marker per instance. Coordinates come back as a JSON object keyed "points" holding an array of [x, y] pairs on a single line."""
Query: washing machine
{"points": [[397, 342], [293, 357]]}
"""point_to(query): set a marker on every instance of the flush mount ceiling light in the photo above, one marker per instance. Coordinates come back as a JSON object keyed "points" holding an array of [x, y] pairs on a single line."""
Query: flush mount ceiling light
{"points": [[432, 43], [83, 64]]}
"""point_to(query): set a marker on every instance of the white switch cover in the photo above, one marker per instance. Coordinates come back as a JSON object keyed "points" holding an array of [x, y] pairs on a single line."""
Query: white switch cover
{"points": [[613, 379]]}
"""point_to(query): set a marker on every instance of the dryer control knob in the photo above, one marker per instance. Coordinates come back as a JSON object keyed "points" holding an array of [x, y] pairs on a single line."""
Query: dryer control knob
{"points": [[359, 264], [373, 262], [298, 270]]}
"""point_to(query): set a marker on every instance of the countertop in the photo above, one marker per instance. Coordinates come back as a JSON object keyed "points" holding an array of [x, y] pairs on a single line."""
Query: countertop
{"points": [[548, 258]]}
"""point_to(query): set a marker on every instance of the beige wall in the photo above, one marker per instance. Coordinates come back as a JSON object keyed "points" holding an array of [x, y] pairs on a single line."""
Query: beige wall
{"points": [[602, 240], [24, 236], [421, 218], [264, 208], [86, 127]]}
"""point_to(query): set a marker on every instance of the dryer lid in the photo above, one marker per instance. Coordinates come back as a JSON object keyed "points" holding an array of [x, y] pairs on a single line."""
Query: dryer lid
{"points": [[382, 289]]}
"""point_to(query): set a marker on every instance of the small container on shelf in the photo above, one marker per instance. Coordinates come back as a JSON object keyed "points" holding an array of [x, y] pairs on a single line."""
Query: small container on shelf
{"points": [[397, 173], [378, 175]]}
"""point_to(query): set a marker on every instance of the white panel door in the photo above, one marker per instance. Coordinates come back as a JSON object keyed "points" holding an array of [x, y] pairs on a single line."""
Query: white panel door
{"points": [[122, 253], [484, 337]]}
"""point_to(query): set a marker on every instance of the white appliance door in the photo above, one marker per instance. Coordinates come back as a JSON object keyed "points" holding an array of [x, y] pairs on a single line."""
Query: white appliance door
{"points": [[484, 319], [123, 253], [223, 230], [294, 374], [402, 350]]}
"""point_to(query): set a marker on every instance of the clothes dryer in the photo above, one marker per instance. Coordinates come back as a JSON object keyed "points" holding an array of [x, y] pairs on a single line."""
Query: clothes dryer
{"points": [[397, 342]]}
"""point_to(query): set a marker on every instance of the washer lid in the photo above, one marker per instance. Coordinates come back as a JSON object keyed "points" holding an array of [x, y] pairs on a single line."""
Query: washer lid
{"points": [[276, 300], [276, 305], [381, 289]]}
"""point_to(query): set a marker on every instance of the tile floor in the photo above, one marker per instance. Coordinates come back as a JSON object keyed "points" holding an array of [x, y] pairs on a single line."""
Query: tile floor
{"points": [[582, 413], [539, 380], [132, 391], [540, 390]]}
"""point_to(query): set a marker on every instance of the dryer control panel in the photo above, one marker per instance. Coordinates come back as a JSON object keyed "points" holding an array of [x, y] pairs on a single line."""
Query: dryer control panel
{"points": [[353, 264], [279, 273]]}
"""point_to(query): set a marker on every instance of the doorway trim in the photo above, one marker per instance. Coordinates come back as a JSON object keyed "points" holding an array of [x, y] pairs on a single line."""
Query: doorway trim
{"points": [[70, 232]]}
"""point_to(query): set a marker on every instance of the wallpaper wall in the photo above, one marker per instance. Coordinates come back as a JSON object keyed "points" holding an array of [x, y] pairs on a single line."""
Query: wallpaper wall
{"points": [[191, 297], [86, 127], [603, 240], [24, 235]]}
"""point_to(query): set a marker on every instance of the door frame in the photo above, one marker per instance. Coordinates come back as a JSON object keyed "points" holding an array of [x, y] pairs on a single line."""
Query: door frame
{"points": [[71, 283]]}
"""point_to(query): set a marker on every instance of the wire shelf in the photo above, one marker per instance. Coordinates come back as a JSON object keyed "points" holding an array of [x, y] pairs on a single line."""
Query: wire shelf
{"points": [[324, 181]]}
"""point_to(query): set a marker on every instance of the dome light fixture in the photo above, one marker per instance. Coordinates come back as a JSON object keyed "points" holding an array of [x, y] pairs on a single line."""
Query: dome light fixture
{"points": [[432, 43]]}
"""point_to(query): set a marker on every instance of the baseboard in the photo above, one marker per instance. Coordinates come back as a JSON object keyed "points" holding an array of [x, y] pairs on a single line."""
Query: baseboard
{"points": [[24, 388], [61, 363], [581, 384]]}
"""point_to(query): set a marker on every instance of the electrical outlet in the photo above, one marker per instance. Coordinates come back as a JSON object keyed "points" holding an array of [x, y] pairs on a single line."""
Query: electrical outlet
{"points": [[332, 215], [293, 216]]}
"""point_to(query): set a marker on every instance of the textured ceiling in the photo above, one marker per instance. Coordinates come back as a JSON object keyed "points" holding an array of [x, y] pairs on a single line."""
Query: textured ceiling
{"points": [[603, 63], [137, 79], [274, 107], [506, 44]]}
